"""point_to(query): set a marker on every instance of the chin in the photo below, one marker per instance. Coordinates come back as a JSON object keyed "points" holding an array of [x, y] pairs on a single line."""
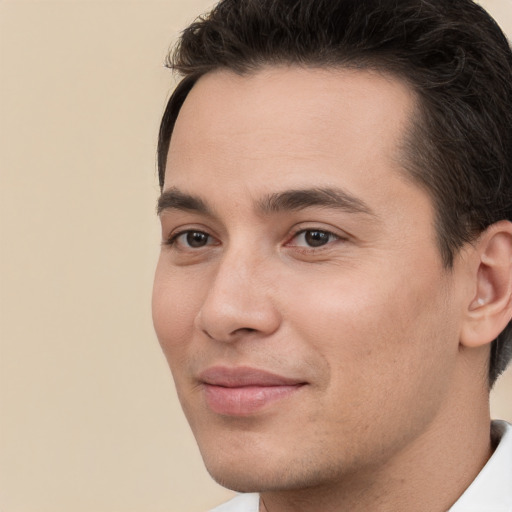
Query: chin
{"points": [[245, 473], [238, 482], [245, 480], [266, 472], [235, 471]]}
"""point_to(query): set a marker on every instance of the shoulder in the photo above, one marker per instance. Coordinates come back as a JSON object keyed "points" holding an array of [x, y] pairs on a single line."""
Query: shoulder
{"points": [[240, 503]]}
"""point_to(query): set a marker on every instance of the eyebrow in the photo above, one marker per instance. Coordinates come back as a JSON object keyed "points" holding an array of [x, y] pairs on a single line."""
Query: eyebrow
{"points": [[300, 199], [288, 200], [174, 199]]}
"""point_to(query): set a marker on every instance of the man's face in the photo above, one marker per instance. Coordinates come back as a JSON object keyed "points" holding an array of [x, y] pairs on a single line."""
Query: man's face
{"points": [[300, 297]]}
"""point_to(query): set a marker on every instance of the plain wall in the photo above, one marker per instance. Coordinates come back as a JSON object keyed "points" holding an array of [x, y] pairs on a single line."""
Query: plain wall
{"points": [[89, 421]]}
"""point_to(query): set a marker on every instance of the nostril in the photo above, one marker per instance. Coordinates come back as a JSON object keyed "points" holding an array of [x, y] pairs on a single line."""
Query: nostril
{"points": [[231, 336], [208, 334], [243, 330]]}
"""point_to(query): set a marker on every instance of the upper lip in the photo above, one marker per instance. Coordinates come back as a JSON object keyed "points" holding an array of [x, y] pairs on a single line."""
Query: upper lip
{"points": [[244, 376]]}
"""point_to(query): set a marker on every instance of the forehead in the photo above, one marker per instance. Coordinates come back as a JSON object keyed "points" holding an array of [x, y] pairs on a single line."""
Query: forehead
{"points": [[289, 123]]}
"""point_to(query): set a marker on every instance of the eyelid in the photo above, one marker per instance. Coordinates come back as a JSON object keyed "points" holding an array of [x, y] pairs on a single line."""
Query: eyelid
{"points": [[303, 228], [175, 234], [332, 238]]}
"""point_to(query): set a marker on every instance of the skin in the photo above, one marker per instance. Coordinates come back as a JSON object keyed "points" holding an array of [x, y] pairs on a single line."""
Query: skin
{"points": [[370, 322]]}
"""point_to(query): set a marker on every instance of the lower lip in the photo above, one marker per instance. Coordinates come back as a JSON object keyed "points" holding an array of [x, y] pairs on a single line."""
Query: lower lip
{"points": [[246, 400]]}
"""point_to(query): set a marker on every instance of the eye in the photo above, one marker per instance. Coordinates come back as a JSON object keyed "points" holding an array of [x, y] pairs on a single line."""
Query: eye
{"points": [[313, 238], [191, 239]]}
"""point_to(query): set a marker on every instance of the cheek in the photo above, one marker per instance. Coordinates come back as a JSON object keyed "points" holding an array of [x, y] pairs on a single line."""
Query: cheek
{"points": [[380, 344], [373, 329], [174, 309]]}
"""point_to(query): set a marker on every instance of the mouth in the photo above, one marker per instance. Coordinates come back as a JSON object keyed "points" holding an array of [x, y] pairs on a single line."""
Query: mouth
{"points": [[244, 391]]}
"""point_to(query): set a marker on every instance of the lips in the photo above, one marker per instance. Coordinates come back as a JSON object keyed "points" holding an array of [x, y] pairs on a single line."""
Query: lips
{"points": [[243, 391]]}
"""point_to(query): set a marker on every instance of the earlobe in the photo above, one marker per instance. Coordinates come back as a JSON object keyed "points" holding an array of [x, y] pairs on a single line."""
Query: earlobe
{"points": [[490, 309]]}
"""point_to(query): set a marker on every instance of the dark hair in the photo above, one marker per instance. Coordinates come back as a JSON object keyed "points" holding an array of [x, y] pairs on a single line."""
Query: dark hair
{"points": [[452, 54]]}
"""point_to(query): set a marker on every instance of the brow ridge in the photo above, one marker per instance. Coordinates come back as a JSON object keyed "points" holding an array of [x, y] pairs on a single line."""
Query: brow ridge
{"points": [[288, 200], [299, 199], [175, 199]]}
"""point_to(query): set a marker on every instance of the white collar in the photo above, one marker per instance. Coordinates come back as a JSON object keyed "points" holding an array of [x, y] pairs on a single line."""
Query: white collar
{"points": [[491, 491]]}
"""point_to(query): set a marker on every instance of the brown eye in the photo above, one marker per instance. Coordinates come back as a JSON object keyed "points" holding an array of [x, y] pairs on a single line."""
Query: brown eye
{"points": [[196, 239], [315, 238]]}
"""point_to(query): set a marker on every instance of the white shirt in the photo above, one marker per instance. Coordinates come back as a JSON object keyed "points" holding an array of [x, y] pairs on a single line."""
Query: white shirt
{"points": [[491, 491], [240, 503]]}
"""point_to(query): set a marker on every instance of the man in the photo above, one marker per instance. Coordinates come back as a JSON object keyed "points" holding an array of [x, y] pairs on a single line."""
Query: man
{"points": [[334, 290]]}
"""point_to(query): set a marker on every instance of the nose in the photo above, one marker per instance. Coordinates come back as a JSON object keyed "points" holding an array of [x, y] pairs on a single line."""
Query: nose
{"points": [[239, 301]]}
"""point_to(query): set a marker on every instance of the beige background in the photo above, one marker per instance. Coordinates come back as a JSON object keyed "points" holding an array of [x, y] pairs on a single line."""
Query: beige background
{"points": [[88, 417]]}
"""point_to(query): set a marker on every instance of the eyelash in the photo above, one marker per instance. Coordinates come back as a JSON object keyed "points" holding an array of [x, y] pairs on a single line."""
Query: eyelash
{"points": [[332, 237], [173, 239]]}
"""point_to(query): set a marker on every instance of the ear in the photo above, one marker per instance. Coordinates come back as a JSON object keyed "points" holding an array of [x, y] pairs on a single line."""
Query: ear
{"points": [[490, 308]]}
